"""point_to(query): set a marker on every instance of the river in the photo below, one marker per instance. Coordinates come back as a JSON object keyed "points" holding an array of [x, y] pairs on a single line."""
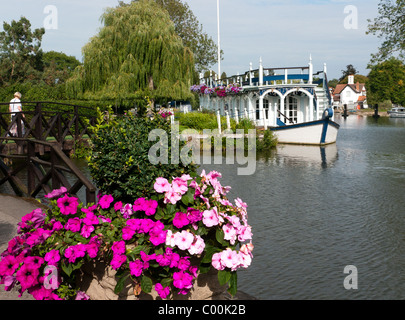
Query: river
{"points": [[315, 211]]}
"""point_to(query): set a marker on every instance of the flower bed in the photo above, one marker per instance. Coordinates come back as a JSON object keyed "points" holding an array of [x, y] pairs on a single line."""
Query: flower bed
{"points": [[187, 228], [220, 91]]}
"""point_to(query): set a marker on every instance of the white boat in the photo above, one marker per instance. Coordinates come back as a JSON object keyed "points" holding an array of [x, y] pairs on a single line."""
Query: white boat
{"points": [[320, 132], [397, 112], [290, 101]]}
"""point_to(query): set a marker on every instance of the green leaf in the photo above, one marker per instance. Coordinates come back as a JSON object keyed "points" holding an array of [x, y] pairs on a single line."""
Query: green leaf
{"points": [[120, 283], [67, 268], [233, 284], [224, 277], [220, 237], [146, 284]]}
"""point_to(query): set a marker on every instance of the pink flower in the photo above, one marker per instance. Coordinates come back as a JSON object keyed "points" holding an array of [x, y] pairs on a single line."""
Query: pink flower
{"points": [[162, 292], [91, 219], [27, 276], [179, 185], [8, 265], [183, 263], [183, 240], [229, 233], [245, 233], [118, 247], [182, 280], [73, 225], [117, 261], [92, 247], [210, 218], [197, 247], [161, 185], [56, 193], [139, 204], [136, 268], [150, 207], [180, 220], [118, 206], [68, 205], [86, 231], [217, 262], [127, 211], [127, 233], [172, 197], [106, 201], [52, 257], [230, 259], [82, 296], [170, 236]]}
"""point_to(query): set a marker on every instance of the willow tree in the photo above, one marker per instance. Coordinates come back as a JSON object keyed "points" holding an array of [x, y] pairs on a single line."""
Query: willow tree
{"points": [[136, 54]]}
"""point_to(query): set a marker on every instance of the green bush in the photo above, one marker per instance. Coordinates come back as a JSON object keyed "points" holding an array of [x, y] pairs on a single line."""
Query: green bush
{"points": [[119, 163]]}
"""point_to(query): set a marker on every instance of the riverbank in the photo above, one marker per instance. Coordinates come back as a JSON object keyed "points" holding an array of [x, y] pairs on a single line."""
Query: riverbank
{"points": [[366, 113]]}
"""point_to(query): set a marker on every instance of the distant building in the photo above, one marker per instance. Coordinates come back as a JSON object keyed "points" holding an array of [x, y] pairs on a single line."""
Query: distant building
{"points": [[354, 95]]}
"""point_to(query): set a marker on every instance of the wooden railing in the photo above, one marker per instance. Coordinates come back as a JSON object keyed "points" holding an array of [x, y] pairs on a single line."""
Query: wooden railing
{"points": [[47, 121], [42, 175]]}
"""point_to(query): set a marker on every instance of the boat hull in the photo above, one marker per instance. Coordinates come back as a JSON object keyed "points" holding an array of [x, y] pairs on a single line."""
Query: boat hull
{"points": [[396, 114], [321, 132]]}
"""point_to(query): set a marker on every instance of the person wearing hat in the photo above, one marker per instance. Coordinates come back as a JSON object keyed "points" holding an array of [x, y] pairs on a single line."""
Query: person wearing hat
{"points": [[14, 107]]}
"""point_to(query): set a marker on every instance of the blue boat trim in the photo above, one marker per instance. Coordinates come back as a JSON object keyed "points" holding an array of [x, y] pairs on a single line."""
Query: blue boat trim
{"points": [[324, 131], [306, 124]]}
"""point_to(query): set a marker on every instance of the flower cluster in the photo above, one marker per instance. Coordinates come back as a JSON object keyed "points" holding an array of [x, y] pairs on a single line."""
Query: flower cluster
{"points": [[187, 227], [165, 113], [219, 91]]}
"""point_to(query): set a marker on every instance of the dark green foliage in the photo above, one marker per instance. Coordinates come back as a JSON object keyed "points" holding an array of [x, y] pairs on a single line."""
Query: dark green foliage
{"points": [[119, 163]]}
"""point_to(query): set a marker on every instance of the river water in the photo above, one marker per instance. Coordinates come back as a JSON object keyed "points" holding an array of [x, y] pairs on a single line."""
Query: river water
{"points": [[315, 211]]}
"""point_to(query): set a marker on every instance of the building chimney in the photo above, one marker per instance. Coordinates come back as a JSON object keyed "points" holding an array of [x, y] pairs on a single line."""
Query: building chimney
{"points": [[350, 79]]}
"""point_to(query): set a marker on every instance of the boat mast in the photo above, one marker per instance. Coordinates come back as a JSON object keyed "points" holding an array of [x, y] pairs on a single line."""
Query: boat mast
{"points": [[219, 44]]}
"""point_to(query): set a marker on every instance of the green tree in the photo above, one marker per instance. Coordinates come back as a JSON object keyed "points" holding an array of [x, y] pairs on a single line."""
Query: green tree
{"points": [[58, 67], [20, 52], [191, 32], [389, 26], [136, 54], [350, 70], [357, 78], [386, 81]]}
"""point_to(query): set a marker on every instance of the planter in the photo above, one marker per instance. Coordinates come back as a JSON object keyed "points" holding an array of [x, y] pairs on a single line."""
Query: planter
{"points": [[98, 280]]}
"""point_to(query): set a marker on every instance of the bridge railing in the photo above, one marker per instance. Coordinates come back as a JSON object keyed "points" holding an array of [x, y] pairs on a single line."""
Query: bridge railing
{"points": [[42, 175], [47, 120]]}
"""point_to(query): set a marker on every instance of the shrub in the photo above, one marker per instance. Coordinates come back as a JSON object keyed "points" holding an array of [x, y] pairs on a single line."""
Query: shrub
{"points": [[119, 164]]}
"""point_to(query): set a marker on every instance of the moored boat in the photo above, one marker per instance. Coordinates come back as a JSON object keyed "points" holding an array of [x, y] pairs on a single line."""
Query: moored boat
{"points": [[397, 112]]}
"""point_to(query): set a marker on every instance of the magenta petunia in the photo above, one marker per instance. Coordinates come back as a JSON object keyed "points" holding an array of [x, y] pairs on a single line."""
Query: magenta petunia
{"points": [[68, 205], [136, 267], [150, 207], [117, 261], [27, 276], [118, 206], [106, 201], [73, 225], [86, 231], [8, 265], [52, 257], [118, 247]]}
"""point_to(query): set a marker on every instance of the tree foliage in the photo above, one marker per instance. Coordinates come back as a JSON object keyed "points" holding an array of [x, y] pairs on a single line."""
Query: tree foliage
{"points": [[20, 52], [389, 26], [350, 70], [191, 32], [136, 54], [387, 82]]}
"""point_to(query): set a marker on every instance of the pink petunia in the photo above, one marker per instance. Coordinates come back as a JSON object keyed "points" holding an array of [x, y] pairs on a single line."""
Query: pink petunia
{"points": [[161, 185], [27, 275], [68, 205], [8, 265], [87, 230], [118, 247], [150, 207], [179, 185], [229, 233], [52, 257], [136, 268], [118, 206], [73, 225], [172, 197], [182, 280]]}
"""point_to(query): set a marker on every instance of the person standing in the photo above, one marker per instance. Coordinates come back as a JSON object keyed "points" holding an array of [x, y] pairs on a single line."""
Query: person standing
{"points": [[14, 107]]}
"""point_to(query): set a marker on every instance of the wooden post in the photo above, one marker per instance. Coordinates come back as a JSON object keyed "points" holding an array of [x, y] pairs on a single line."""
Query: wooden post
{"points": [[30, 169], [77, 129], [38, 122]]}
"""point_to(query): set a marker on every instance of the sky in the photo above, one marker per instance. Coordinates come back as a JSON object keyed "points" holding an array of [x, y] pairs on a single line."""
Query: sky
{"points": [[284, 33]]}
